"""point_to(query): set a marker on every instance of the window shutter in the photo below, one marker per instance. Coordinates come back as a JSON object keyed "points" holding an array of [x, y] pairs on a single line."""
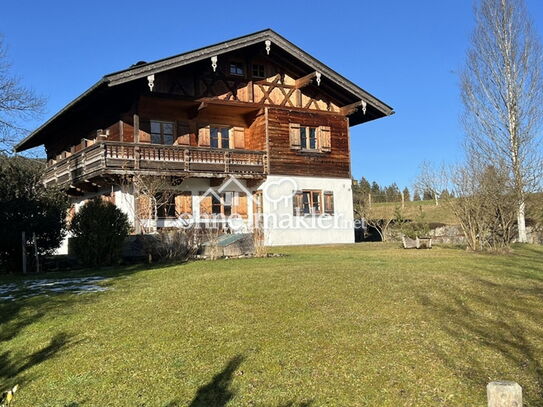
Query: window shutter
{"points": [[237, 138], [205, 204], [145, 131], [204, 136], [294, 130], [325, 138], [241, 204], [144, 207], [183, 204], [329, 202], [183, 134], [297, 203]]}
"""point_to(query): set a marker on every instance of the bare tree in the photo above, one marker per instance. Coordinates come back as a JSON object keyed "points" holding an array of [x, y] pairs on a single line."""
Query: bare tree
{"points": [[379, 220], [17, 104], [502, 92], [152, 193], [482, 200]]}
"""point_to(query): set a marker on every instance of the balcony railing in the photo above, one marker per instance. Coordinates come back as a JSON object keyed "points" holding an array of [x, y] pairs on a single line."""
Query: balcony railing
{"points": [[112, 157]]}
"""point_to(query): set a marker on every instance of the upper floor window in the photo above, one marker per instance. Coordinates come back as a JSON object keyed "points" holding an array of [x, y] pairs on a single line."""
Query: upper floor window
{"points": [[308, 138], [162, 132], [219, 137], [237, 69], [258, 71]]}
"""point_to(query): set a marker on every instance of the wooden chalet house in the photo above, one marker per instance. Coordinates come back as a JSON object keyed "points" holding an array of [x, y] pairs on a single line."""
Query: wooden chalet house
{"points": [[257, 108]]}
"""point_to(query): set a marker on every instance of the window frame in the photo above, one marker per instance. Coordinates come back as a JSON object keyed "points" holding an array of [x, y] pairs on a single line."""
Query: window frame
{"points": [[221, 138], [304, 132], [257, 75], [314, 207], [238, 65], [167, 209], [162, 133]]}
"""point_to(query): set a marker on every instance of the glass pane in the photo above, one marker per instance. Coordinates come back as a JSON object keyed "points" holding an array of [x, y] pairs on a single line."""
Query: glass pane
{"points": [[167, 128], [312, 138], [316, 201], [155, 138], [225, 137], [155, 127], [215, 205], [236, 69], [303, 137], [228, 197], [168, 139], [306, 203], [214, 142]]}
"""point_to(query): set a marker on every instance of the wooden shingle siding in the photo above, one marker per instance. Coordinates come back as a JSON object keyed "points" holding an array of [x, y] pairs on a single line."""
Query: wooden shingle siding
{"points": [[283, 160]]}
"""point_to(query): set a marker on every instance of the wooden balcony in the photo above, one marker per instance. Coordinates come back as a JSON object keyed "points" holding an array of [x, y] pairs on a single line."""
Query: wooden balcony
{"points": [[113, 157]]}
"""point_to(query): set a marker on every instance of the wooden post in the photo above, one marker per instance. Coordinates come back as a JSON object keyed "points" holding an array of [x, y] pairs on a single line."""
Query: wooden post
{"points": [[23, 242], [36, 257], [369, 199], [504, 394], [403, 201]]}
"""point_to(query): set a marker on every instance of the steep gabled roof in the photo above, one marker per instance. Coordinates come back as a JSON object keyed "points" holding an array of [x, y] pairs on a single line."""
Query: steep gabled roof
{"points": [[142, 70]]}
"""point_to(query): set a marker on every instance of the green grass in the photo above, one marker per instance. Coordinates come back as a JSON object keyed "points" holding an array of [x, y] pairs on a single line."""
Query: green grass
{"points": [[354, 325]]}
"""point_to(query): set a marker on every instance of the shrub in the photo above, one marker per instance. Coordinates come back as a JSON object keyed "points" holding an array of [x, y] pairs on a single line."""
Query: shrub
{"points": [[99, 230], [27, 206], [417, 228], [170, 245]]}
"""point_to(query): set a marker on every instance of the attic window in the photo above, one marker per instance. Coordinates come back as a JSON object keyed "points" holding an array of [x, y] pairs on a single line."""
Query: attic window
{"points": [[258, 71], [237, 69]]}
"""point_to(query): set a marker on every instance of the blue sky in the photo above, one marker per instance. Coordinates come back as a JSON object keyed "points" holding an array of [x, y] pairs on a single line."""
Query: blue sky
{"points": [[407, 53]]}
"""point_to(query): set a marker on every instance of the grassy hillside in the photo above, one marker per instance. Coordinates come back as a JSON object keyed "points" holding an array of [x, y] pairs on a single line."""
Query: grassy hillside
{"points": [[442, 213], [353, 325]]}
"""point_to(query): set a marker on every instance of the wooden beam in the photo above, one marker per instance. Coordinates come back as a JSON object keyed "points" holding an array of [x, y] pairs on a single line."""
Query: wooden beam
{"points": [[252, 183], [305, 80], [193, 113], [353, 107], [136, 128], [216, 182]]}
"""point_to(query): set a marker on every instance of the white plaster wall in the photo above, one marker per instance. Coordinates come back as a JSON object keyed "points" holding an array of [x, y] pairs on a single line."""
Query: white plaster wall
{"points": [[283, 228], [124, 200]]}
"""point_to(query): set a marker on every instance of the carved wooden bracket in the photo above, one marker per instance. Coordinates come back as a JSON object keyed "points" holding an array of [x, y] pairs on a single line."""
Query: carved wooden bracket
{"points": [[353, 107], [306, 80]]}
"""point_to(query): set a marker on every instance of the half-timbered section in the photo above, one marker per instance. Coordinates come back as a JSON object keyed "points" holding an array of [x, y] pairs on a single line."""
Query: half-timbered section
{"points": [[251, 126]]}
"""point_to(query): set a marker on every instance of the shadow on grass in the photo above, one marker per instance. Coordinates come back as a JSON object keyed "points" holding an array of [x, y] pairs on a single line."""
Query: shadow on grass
{"points": [[218, 392], [492, 321], [19, 314], [14, 367]]}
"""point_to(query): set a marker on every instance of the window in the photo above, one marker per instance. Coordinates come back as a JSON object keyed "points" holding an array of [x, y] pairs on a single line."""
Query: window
{"points": [[161, 132], [310, 202], [237, 69], [328, 202], [222, 206], [258, 71], [219, 137], [308, 138], [165, 205]]}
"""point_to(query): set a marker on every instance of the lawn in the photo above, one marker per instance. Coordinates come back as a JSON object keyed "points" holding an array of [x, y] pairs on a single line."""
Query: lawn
{"points": [[355, 325]]}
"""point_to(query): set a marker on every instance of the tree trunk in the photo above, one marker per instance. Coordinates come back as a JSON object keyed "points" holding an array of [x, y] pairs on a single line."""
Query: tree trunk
{"points": [[521, 223]]}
